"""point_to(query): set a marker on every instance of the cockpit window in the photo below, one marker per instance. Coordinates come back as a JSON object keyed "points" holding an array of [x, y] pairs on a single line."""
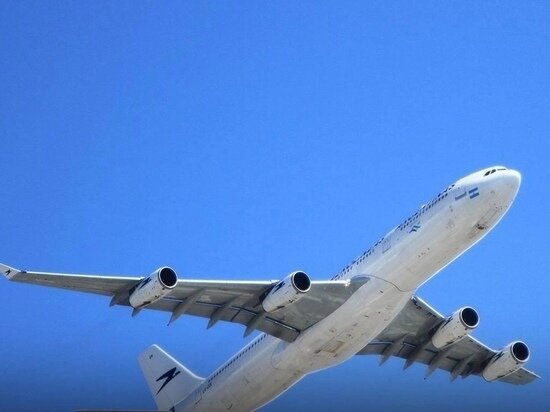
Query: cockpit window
{"points": [[491, 171]]}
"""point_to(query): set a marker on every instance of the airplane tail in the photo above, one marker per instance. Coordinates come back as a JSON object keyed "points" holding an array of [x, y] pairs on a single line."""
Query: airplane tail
{"points": [[169, 381]]}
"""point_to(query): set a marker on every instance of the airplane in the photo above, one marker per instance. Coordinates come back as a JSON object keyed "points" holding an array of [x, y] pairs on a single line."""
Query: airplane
{"points": [[369, 308]]}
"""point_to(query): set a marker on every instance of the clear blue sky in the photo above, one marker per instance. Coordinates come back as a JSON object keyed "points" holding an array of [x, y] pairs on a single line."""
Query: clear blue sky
{"points": [[244, 140]]}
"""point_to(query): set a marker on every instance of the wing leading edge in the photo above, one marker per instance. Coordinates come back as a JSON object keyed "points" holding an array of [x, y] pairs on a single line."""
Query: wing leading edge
{"points": [[230, 301], [408, 337]]}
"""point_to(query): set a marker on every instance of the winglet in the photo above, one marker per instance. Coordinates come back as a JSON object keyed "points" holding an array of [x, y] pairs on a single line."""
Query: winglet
{"points": [[8, 271]]}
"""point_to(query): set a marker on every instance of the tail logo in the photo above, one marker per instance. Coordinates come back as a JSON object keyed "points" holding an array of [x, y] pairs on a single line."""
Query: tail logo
{"points": [[168, 376]]}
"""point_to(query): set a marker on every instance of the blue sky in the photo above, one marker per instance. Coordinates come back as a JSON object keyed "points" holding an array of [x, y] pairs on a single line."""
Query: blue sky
{"points": [[244, 140]]}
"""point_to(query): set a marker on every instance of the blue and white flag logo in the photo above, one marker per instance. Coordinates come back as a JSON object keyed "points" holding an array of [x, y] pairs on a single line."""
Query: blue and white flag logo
{"points": [[473, 192]]}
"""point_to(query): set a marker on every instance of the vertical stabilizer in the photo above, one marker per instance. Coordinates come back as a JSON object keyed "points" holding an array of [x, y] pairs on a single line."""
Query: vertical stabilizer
{"points": [[169, 381]]}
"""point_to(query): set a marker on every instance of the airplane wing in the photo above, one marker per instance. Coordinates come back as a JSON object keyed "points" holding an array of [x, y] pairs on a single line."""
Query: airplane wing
{"points": [[231, 301], [408, 336]]}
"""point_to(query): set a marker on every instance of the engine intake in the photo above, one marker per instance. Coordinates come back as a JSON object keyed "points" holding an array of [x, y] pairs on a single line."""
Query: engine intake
{"points": [[507, 361], [153, 287], [167, 276], [287, 291], [520, 351], [457, 326]]}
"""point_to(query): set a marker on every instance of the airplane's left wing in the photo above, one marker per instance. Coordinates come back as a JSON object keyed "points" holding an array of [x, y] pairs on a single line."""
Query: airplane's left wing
{"points": [[231, 301], [408, 336]]}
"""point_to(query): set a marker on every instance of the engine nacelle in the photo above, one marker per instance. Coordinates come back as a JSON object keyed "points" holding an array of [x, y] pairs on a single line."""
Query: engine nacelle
{"points": [[507, 361], [153, 287], [457, 326], [287, 291]]}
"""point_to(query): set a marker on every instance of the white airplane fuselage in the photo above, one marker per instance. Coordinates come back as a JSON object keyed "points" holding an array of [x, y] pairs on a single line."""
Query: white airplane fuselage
{"points": [[396, 266]]}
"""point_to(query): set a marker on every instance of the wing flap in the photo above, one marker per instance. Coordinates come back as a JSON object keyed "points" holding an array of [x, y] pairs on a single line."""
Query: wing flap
{"points": [[286, 323]]}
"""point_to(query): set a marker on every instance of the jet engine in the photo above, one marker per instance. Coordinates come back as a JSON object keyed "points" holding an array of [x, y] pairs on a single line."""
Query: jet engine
{"points": [[287, 291], [507, 361], [457, 326], [153, 287]]}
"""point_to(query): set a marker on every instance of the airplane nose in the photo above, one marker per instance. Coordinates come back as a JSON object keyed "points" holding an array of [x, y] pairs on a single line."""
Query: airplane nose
{"points": [[507, 185], [512, 180]]}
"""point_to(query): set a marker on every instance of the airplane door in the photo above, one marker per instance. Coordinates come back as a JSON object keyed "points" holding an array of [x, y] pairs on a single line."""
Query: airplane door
{"points": [[386, 244], [198, 396]]}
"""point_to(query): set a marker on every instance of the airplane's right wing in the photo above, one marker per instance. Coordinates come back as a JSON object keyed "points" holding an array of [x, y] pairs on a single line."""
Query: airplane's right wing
{"points": [[216, 300], [408, 337]]}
